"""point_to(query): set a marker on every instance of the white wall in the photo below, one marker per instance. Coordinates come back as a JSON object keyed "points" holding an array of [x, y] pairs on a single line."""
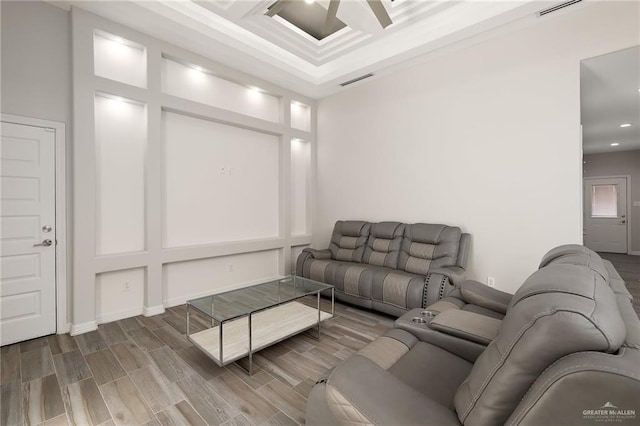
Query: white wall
{"points": [[616, 164], [221, 183], [35, 70], [485, 138]]}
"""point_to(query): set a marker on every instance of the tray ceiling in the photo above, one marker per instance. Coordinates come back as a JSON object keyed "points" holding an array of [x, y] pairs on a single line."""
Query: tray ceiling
{"points": [[239, 34]]}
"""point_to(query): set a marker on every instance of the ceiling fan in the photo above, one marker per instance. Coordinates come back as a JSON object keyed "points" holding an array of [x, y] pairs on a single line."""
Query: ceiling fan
{"points": [[376, 7]]}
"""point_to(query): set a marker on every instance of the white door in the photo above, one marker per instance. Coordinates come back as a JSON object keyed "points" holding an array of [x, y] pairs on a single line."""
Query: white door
{"points": [[27, 233], [605, 212]]}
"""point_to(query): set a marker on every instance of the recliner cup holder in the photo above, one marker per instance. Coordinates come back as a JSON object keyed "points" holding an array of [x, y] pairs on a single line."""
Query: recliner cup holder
{"points": [[419, 320], [428, 314]]}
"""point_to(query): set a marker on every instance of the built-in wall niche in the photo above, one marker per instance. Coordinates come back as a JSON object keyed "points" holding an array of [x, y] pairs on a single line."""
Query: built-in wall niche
{"points": [[120, 138], [118, 59], [198, 84], [221, 182], [295, 252], [193, 278], [300, 116], [119, 294], [300, 183]]}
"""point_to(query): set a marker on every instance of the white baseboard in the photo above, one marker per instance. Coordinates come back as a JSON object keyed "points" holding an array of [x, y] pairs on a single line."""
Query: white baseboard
{"points": [[85, 327], [115, 316], [153, 310], [65, 329], [635, 253]]}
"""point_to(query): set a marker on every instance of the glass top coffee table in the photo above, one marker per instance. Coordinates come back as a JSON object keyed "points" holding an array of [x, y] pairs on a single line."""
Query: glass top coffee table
{"points": [[248, 319]]}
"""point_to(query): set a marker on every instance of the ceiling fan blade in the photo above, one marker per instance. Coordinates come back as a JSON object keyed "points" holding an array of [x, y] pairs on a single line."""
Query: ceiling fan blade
{"points": [[275, 8], [330, 20], [381, 13]]}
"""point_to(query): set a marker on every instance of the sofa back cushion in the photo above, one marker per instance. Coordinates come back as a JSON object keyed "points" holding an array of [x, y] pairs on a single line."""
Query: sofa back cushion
{"points": [[348, 240], [425, 246], [383, 245], [575, 254], [561, 309]]}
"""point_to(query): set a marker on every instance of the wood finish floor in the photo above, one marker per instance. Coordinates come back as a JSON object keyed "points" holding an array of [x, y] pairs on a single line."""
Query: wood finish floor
{"points": [[629, 269], [143, 371]]}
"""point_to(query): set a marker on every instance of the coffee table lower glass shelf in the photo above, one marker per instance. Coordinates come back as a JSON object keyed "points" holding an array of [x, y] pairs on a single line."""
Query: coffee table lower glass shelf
{"points": [[246, 320]]}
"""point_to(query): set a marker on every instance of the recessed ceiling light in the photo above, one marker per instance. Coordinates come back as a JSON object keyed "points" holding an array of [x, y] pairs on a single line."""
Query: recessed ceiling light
{"points": [[309, 1], [615, 144], [625, 125]]}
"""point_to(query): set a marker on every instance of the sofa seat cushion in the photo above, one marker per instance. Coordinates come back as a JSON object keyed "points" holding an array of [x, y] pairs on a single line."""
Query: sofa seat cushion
{"points": [[389, 382], [398, 288], [438, 384], [323, 270]]}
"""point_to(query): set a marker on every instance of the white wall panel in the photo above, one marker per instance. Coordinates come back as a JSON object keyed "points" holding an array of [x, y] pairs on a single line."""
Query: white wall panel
{"points": [[120, 135], [186, 280], [221, 183], [300, 181], [119, 294], [117, 59], [201, 86]]}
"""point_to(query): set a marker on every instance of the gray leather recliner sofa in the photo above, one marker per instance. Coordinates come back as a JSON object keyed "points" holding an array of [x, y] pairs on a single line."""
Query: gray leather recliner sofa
{"points": [[473, 296], [567, 352], [389, 266]]}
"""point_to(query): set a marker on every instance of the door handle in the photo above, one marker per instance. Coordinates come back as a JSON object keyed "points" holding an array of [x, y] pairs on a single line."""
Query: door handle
{"points": [[45, 243], [623, 221]]}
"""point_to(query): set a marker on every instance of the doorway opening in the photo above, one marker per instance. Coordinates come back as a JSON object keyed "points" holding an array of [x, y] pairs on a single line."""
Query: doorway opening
{"points": [[610, 118]]}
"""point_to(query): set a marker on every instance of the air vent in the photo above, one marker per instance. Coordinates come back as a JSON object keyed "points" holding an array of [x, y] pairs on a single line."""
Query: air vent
{"points": [[355, 80], [558, 7]]}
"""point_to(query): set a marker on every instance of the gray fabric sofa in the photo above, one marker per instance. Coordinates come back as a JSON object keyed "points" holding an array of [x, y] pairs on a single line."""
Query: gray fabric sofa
{"points": [[566, 352], [389, 266]]}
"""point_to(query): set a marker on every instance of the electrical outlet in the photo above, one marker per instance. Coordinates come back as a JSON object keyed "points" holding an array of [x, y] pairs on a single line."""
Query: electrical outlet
{"points": [[491, 282], [230, 267], [126, 286]]}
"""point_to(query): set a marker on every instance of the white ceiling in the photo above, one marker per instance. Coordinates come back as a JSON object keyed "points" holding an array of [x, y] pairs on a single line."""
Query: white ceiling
{"points": [[609, 97], [238, 34]]}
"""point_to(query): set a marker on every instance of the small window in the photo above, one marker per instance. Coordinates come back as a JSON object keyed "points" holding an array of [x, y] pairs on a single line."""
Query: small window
{"points": [[604, 201]]}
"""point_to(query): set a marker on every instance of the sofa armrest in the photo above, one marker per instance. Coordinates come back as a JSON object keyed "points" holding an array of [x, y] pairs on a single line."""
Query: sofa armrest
{"points": [[310, 253], [318, 254], [456, 274], [467, 325], [476, 293]]}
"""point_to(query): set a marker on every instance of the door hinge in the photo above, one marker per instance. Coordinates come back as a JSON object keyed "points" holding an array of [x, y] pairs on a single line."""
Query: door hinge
{"points": [[49, 129]]}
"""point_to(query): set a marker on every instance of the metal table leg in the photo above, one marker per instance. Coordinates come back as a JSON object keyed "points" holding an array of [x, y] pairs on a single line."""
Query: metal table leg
{"points": [[319, 315], [250, 348], [188, 321]]}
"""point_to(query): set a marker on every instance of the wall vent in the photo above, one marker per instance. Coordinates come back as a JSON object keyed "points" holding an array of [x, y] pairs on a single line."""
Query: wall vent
{"points": [[558, 7], [355, 80]]}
